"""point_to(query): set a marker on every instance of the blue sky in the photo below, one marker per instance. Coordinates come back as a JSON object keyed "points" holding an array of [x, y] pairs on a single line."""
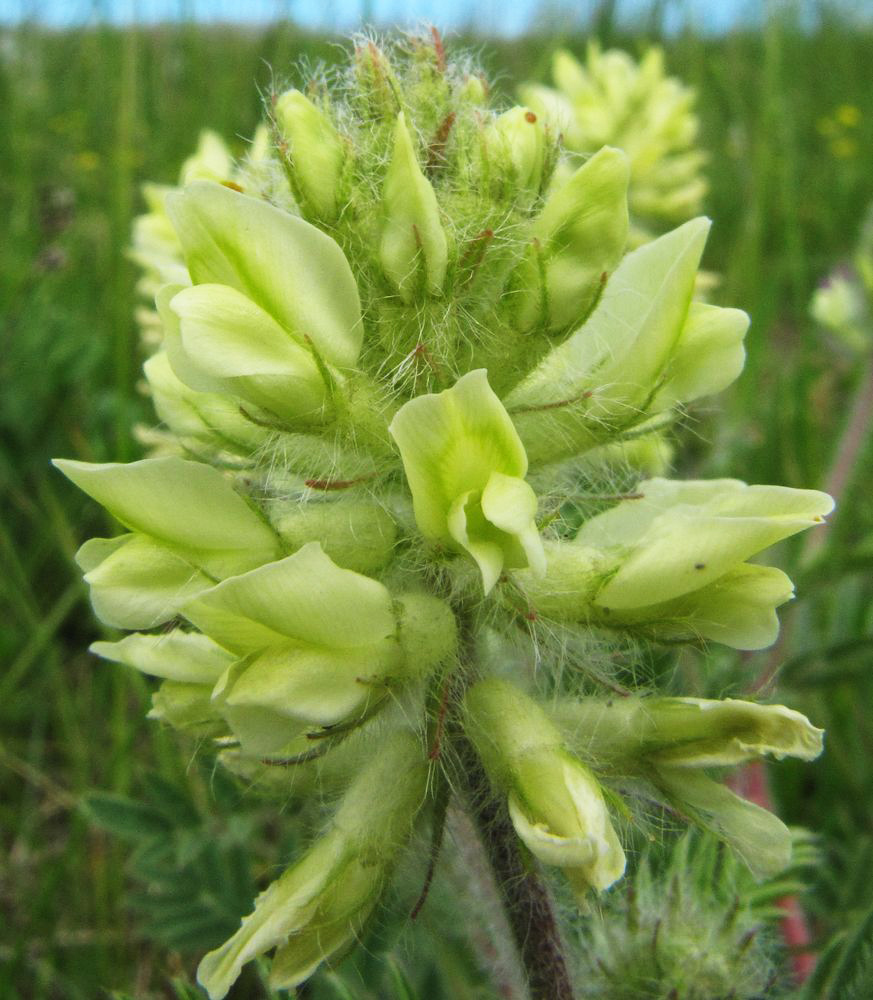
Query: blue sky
{"points": [[498, 16]]}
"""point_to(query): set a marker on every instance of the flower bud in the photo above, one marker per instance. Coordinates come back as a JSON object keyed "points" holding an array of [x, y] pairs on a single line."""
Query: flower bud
{"points": [[474, 91], [465, 466], [618, 369], [427, 633], [578, 238], [322, 902], [413, 248], [555, 803], [315, 153], [516, 141]]}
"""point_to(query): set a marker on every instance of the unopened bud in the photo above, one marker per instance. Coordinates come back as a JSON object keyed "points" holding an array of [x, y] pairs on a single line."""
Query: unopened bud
{"points": [[413, 249], [316, 153]]}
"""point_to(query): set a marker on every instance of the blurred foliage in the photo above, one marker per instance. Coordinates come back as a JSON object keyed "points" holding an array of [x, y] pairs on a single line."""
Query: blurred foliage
{"points": [[86, 114]]}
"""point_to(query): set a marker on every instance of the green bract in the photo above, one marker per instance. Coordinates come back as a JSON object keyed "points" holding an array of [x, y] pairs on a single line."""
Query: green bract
{"points": [[397, 358]]}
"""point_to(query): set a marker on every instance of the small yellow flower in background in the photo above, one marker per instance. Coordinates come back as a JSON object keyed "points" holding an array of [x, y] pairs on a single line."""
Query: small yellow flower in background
{"points": [[848, 115], [843, 148], [86, 161], [839, 127]]}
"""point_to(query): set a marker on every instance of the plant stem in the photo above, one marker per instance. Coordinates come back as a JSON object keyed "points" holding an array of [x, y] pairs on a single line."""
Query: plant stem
{"points": [[525, 897]]}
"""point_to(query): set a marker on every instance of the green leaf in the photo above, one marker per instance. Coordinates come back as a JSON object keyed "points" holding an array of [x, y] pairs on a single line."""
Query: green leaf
{"points": [[125, 817]]}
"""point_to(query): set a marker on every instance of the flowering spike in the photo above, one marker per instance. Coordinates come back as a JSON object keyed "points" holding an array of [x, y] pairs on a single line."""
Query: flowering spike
{"points": [[393, 236]]}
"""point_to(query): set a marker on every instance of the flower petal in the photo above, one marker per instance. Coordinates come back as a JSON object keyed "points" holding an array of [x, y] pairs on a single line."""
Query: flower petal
{"points": [[180, 656], [450, 443], [292, 270], [186, 504], [305, 597]]}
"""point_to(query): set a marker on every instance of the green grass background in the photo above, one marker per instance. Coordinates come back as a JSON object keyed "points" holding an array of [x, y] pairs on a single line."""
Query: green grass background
{"points": [[85, 116]]}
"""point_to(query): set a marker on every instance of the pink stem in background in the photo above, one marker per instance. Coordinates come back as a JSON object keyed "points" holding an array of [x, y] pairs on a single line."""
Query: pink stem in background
{"points": [[753, 784]]}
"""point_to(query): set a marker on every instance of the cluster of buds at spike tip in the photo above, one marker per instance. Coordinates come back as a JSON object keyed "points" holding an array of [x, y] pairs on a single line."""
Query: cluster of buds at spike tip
{"points": [[611, 100], [388, 343]]}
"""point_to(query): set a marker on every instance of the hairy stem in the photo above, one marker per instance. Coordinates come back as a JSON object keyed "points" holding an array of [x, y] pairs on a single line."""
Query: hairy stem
{"points": [[526, 899]]}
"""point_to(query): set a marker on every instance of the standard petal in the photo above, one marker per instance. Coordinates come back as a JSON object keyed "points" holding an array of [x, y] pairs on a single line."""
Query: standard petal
{"points": [[180, 656], [304, 597], [185, 504], [292, 270], [450, 443]]}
